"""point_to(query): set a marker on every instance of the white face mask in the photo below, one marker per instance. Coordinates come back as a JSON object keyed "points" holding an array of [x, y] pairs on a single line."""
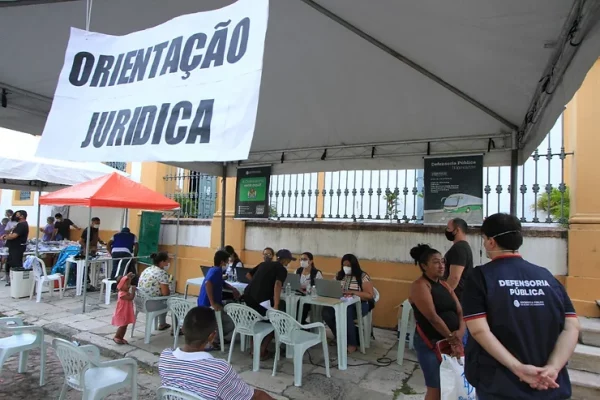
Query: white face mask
{"points": [[304, 263], [224, 268], [348, 270], [166, 268], [96, 226]]}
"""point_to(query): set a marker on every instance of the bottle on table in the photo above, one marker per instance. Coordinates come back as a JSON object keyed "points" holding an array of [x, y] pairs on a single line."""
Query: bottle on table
{"points": [[288, 289], [313, 292]]}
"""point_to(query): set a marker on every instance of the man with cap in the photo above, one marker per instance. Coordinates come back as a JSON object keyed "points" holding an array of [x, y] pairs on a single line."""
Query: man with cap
{"points": [[122, 246], [265, 285]]}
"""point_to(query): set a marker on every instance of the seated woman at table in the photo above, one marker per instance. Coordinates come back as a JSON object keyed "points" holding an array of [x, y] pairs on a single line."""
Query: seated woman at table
{"points": [[308, 274], [438, 314], [354, 282], [154, 282]]}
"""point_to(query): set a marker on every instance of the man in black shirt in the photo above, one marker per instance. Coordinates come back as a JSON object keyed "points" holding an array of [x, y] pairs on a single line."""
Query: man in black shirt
{"points": [[459, 259], [265, 285], [62, 227], [93, 247], [16, 241]]}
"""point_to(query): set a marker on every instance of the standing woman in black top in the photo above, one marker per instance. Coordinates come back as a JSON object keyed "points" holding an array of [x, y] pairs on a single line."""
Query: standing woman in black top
{"points": [[438, 314]]}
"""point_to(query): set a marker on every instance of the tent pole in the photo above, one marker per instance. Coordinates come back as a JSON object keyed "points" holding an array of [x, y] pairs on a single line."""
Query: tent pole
{"points": [[37, 231], [223, 202], [514, 175], [176, 248], [87, 259]]}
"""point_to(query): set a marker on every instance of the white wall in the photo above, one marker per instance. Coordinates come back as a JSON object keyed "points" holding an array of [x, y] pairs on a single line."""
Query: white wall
{"points": [[110, 217], [189, 235], [394, 246]]}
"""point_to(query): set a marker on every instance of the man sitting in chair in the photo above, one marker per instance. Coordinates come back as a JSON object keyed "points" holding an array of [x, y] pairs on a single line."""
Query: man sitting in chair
{"points": [[211, 293], [193, 370]]}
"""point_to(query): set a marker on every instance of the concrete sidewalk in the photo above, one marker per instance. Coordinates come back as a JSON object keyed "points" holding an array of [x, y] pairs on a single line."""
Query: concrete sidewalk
{"points": [[365, 377]]}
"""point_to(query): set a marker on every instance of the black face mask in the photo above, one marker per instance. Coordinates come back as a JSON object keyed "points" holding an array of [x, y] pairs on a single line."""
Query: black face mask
{"points": [[267, 258], [450, 235]]}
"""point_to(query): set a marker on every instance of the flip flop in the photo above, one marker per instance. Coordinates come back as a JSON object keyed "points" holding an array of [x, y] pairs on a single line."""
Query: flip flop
{"points": [[164, 328], [119, 341]]}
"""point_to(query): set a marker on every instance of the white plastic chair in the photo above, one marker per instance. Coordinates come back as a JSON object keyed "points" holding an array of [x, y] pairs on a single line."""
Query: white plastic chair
{"points": [[151, 316], [85, 372], [406, 324], [218, 316], [368, 321], [23, 339], [289, 331], [41, 278], [107, 282], [248, 323], [179, 308], [169, 393]]}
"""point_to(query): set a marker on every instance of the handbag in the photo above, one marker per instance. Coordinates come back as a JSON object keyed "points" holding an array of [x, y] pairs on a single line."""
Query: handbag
{"points": [[453, 384], [440, 348]]}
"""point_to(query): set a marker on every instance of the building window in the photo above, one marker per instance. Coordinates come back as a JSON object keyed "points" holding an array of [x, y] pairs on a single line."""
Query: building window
{"points": [[22, 198], [24, 195], [121, 166]]}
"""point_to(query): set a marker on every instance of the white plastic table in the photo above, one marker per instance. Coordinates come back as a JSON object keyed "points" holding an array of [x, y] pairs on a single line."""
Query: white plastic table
{"points": [[240, 286], [80, 277], [341, 319]]}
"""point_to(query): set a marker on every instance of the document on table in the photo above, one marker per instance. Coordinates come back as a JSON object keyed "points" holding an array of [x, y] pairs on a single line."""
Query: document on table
{"points": [[267, 304]]}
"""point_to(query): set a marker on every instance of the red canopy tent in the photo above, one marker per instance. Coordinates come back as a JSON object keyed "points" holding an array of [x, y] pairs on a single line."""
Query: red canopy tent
{"points": [[112, 191]]}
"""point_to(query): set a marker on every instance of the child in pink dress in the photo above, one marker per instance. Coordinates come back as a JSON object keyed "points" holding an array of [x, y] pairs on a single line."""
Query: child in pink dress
{"points": [[124, 312]]}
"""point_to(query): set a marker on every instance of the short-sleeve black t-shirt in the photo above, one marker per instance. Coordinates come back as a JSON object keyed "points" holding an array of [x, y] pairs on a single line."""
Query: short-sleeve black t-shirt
{"points": [[525, 307], [64, 228], [459, 254], [22, 231], [264, 275]]}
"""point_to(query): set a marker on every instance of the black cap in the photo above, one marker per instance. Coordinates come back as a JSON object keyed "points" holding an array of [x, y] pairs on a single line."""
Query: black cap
{"points": [[125, 230], [285, 254]]}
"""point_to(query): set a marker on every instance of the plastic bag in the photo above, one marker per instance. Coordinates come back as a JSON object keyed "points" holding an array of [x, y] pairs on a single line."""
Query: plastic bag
{"points": [[453, 384]]}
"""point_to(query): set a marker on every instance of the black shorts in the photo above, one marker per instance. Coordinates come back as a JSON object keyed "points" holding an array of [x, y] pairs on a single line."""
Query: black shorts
{"points": [[253, 304]]}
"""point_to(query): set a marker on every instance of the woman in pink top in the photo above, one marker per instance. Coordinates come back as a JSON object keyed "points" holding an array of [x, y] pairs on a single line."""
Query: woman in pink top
{"points": [[124, 312]]}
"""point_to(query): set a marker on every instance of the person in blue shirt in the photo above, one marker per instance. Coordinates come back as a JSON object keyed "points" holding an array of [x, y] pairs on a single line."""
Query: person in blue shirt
{"points": [[123, 246], [211, 292], [522, 324]]}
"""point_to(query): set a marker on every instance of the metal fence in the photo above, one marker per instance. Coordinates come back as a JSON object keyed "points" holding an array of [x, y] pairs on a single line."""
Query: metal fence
{"points": [[397, 195], [196, 193]]}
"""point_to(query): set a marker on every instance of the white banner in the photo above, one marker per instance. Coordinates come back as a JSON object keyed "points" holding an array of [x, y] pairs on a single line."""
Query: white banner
{"points": [[186, 90]]}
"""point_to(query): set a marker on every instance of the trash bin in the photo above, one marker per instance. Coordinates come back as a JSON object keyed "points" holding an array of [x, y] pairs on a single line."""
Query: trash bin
{"points": [[20, 282]]}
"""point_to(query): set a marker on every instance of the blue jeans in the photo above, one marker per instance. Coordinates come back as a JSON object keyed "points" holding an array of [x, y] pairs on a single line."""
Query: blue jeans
{"points": [[329, 318], [428, 362]]}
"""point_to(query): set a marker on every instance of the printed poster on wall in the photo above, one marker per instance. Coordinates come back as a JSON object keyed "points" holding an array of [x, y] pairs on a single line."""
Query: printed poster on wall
{"points": [[181, 91], [453, 189], [252, 192]]}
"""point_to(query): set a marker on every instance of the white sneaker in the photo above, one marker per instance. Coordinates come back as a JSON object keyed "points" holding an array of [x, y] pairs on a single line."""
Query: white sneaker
{"points": [[3, 278]]}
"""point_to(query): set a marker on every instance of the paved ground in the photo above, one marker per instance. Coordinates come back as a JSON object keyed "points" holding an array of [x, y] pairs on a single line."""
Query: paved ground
{"points": [[365, 377]]}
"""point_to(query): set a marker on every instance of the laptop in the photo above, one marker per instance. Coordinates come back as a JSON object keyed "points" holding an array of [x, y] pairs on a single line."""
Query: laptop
{"points": [[205, 270], [241, 274], [294, 281], [329, 288]]}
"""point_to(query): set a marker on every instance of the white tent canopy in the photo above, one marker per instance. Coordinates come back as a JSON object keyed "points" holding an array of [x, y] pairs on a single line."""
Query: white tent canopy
{"points": [[351, 84], [21, 170]]}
